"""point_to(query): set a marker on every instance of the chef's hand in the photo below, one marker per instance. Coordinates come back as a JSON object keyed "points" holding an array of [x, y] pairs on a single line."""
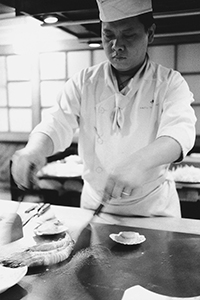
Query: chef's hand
{"points": [[25, 165], [29, 160], [137, 168], [118, 188]]}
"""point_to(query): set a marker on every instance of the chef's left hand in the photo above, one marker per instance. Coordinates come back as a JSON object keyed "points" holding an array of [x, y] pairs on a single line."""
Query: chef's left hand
{"points": [[136, 169], [117, 187]]}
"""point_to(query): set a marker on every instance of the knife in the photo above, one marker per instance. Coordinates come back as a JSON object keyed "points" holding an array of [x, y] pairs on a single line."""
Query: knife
{"points": [[83, 240]]}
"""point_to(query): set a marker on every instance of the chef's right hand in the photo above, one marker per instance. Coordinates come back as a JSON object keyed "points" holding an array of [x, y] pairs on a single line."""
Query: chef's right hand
{"points": [[25, 165]]}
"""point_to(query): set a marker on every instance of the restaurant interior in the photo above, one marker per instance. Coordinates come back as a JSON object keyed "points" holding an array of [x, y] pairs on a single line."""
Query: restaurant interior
{"points": [[50, 248], [42, 44]]}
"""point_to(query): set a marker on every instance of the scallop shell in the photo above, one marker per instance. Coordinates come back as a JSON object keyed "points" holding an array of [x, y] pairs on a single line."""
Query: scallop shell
{"points": [[128, 238], [50, 227]]}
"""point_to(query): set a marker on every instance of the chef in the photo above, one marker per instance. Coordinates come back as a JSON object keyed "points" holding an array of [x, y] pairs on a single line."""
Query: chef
{"points": [[134, 118]]}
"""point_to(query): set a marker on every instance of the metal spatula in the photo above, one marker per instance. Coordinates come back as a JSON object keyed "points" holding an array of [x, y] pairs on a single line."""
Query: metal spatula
{"points": [[83, 240]]}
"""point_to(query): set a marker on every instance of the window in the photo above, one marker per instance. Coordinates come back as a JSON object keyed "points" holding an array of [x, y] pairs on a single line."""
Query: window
{"points": [[29, 85], [49, 92], [15, 94], [77, 60], [164, 55], [188, 58], [188, 63], [52, 66], [19, 67], [184, 58], [52, 78], [3, 82], [98, 56]]}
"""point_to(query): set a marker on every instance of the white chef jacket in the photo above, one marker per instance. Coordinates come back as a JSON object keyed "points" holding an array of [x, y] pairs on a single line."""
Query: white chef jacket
{"points": [[114, 124]]}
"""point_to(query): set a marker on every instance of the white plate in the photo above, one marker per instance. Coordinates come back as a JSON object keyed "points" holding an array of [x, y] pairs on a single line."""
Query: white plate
{"points": [[135, 239], [10, 276]]}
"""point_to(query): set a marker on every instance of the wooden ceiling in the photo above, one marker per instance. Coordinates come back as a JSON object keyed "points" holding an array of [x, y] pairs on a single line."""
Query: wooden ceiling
{"points": [[175, 19]]}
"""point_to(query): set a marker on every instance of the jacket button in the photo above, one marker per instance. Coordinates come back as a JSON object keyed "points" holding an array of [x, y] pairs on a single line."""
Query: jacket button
{"points": [[101, 110], [99, 170]]}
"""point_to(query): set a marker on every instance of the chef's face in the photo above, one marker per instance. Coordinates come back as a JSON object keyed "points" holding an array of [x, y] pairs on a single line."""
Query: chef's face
{"points": [[125, 42]]}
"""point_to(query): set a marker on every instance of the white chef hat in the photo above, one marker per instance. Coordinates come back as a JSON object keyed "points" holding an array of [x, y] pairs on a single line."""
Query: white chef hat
{"points": [[113, 10]]}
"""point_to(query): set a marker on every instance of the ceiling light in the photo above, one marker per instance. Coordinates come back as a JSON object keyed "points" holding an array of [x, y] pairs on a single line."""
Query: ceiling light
{"points": [[94, 45], [50, 19]]}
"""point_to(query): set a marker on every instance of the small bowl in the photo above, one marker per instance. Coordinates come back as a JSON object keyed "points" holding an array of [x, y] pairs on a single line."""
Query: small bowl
{"points": [[128, 238]]}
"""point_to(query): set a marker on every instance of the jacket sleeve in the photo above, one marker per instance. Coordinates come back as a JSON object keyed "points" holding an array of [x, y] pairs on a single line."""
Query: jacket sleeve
{"points": [[177, 117], [62, 120]]}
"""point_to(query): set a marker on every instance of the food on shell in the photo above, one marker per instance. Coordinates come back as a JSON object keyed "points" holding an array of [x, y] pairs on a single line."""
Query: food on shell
{"points": [[52, 226], [128, 238]]}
